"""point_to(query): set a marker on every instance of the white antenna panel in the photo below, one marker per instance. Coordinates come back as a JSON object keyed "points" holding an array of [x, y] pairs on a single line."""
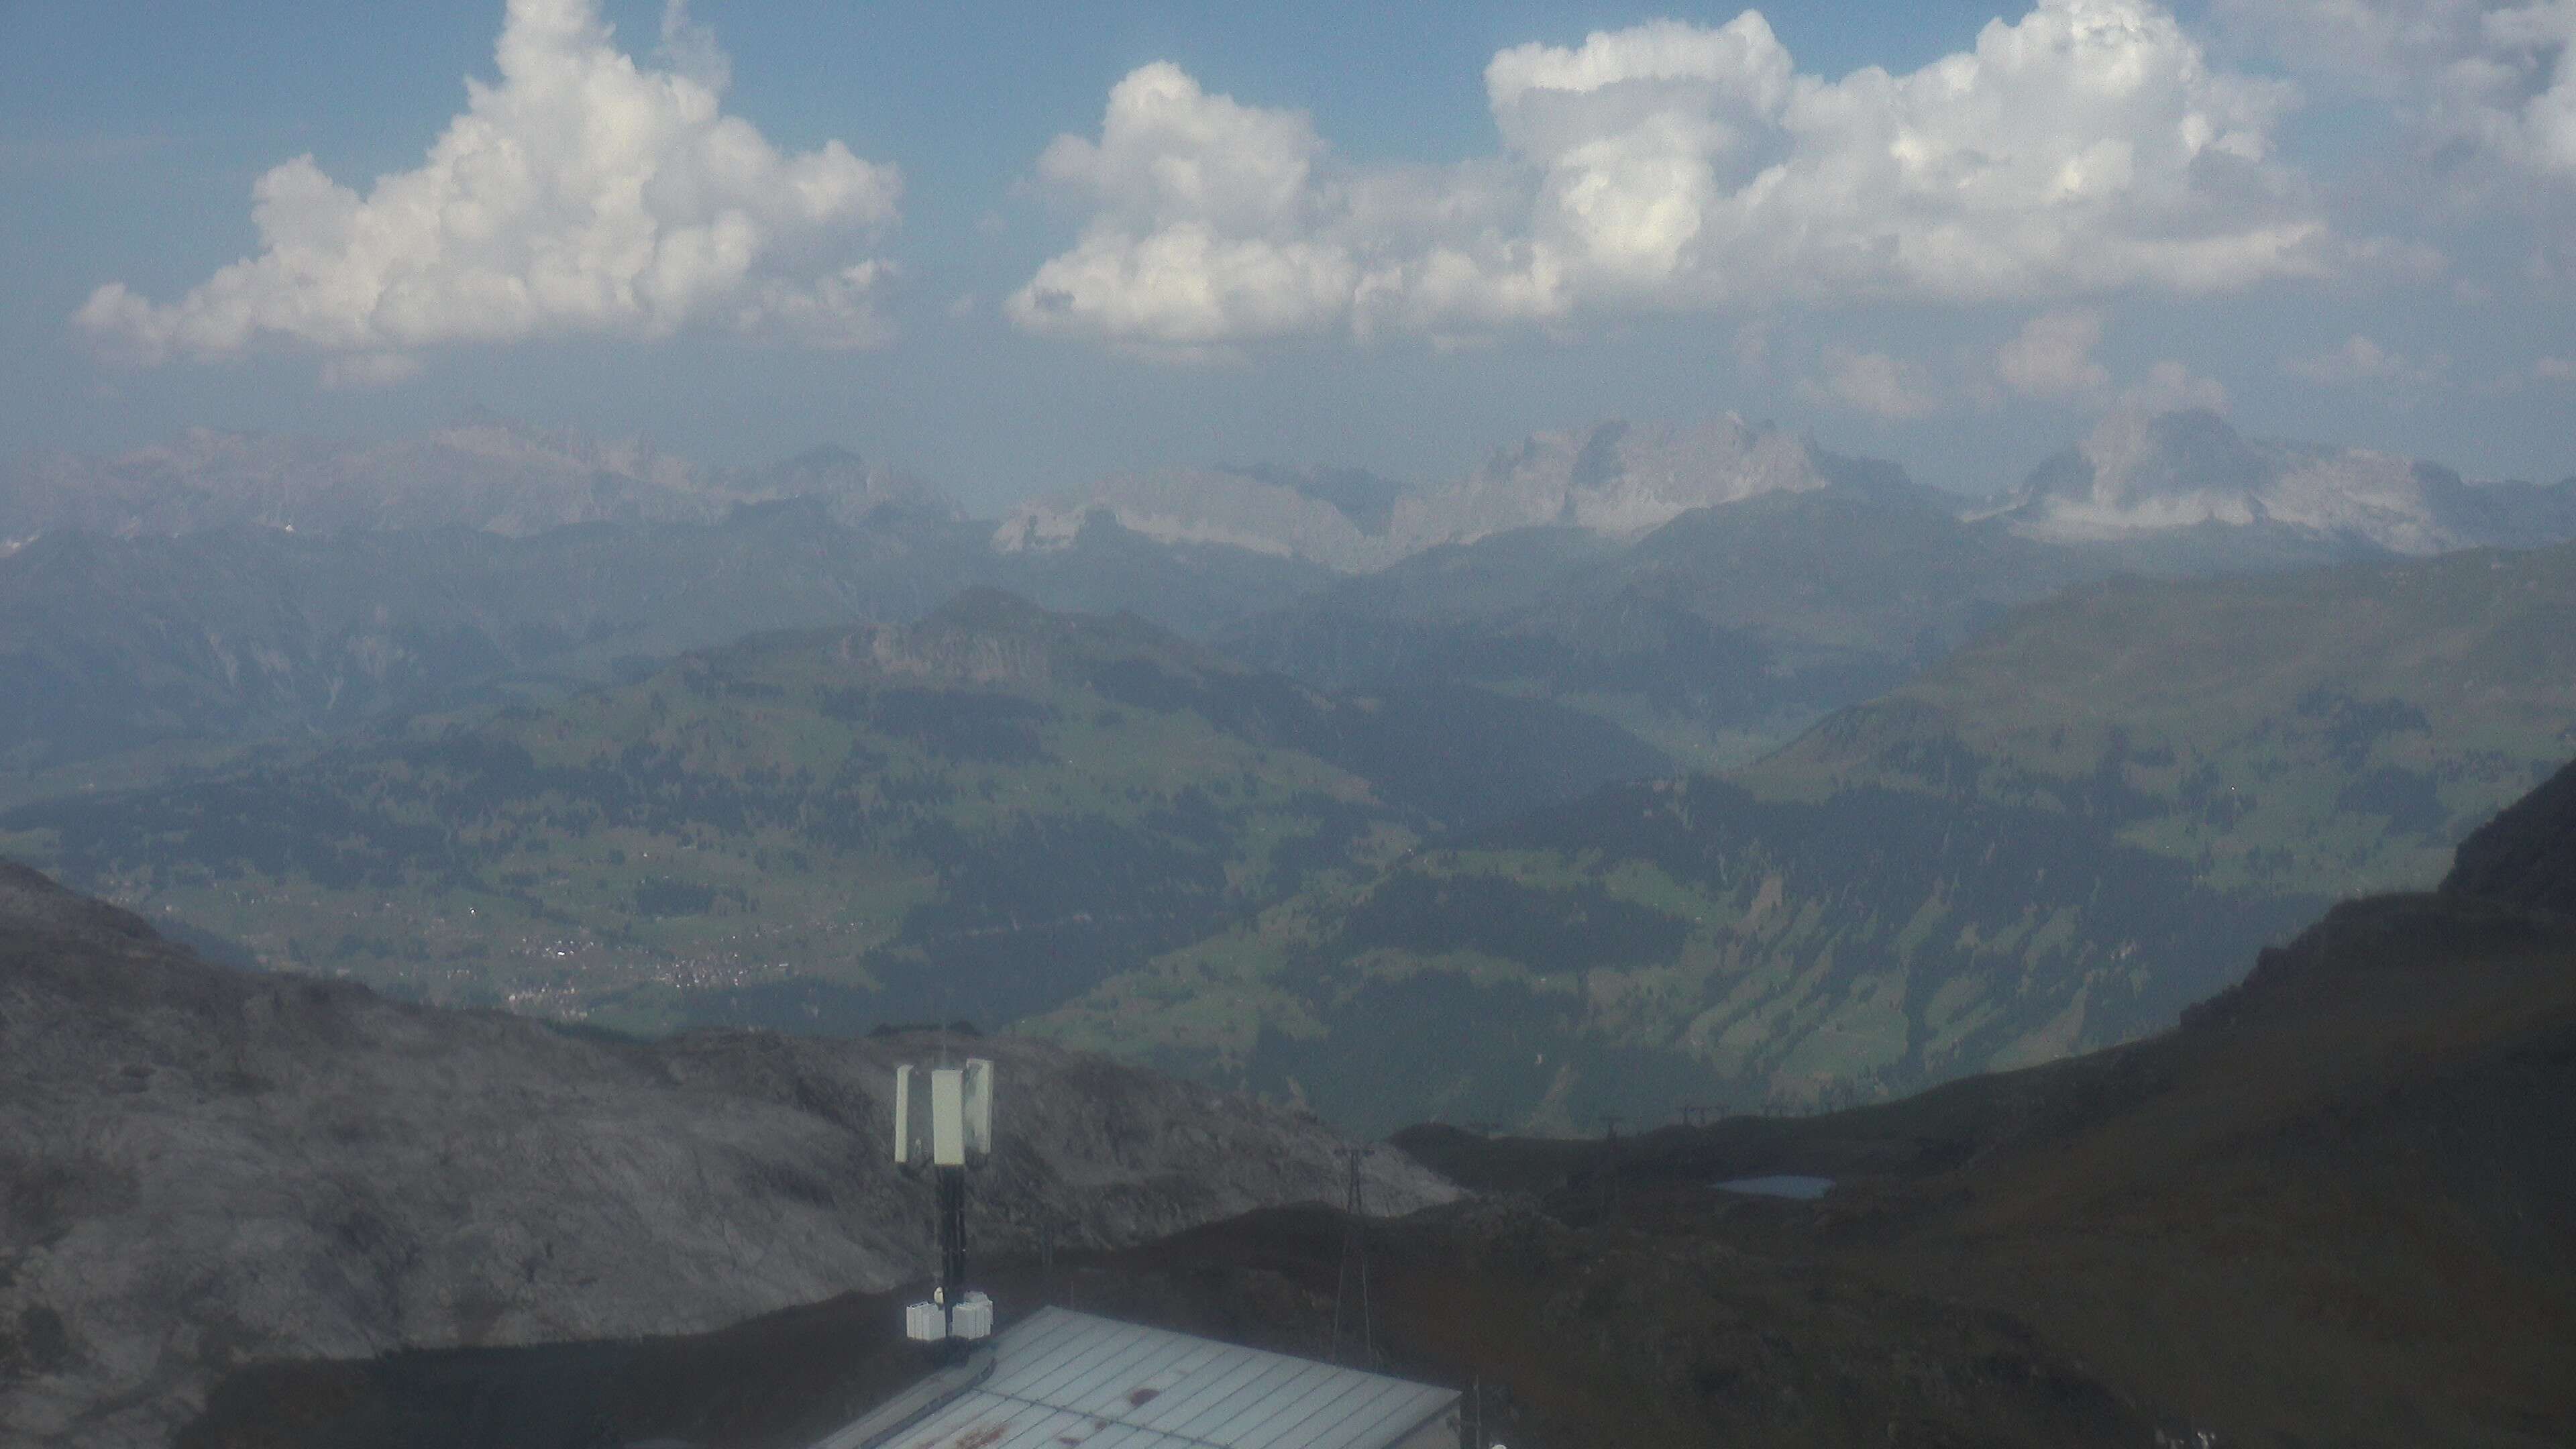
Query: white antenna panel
{"points": [[979, 1106], [912, 1126], [948, 1117]]}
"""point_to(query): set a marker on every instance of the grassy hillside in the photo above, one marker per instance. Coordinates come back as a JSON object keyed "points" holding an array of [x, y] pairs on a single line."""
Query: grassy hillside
{"points": [[2336, 1205], [2048, 842], [979, 815], [1716, 635], [1728, 630], [1657, 946], [2329, 732]]}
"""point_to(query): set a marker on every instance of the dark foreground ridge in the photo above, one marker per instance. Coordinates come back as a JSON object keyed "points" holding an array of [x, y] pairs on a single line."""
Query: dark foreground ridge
{"points": [[202, 1168], [2336, 1206]]}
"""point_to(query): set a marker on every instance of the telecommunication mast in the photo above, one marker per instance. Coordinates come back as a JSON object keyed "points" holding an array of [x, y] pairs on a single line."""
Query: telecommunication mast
{"points": [[945, 1128]]}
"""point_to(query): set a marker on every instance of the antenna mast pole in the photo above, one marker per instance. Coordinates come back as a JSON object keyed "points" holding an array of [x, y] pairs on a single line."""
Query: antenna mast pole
{"points": [[952, 1234], [1354, 1254], [944, 1128]]}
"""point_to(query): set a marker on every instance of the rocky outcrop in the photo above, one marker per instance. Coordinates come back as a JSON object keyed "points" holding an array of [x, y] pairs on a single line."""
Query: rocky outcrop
{"points": [[1613, 479], [1259, 510], [2140, 474], [205, 1167]]}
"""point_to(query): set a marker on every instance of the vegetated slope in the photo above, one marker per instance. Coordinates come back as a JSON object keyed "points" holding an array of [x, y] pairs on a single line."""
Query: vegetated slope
{"points": [[1727, 630], [978, 815], [1724, 629], [2331, 731], [2337, 1205], [2526, 854], [2049, 842], [207, 1168], [1684, 944], [226, 636]]}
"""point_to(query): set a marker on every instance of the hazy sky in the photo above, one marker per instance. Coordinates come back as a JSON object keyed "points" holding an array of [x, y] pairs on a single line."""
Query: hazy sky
{"points": [[1014, 246]]}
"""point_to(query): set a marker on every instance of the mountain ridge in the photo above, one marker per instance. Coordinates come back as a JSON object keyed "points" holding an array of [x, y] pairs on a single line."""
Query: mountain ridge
{"points": [[2050, 839], [209, 1167], [2334, 1204], [2147, 474], [823, 828]]}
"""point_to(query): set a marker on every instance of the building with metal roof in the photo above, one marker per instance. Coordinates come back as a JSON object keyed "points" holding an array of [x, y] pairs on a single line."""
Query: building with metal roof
{"points": [[1060, 1379]]}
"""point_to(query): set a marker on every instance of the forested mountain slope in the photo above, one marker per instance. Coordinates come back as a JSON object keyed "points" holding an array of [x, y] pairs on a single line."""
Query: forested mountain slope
{"points": [[979, 815]]}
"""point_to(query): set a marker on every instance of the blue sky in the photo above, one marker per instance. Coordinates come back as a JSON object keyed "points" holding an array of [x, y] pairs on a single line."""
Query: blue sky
{"points": [[1010, 250]]}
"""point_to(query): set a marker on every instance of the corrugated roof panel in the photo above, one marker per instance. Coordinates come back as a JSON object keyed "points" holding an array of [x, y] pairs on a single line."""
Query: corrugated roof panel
{"points": [[1069, 1377], [1071, 1352], [1064, 1380], [1360, 1407], [1276, 1419], [1396, 1406], [1243, 1383], [1174, 1366]]}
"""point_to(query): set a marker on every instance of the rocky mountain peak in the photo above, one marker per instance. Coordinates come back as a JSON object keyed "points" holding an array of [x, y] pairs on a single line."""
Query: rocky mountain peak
{"points": [[2141, 473], [1617, 479]]}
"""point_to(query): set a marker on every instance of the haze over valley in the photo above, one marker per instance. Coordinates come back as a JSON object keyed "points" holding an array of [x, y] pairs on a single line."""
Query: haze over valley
{"points": [[1830, 725]]}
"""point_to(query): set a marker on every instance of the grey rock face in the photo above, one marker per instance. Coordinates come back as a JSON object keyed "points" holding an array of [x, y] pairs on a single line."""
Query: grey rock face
{"points": [[204, 1167], [2140, 475], [1613, 479]]}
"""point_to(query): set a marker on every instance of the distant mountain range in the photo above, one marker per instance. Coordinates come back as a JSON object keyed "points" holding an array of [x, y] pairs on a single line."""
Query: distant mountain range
{"points": [[237, 634], [2136, 477], [290, 740], [1716, 635], [1613, 479], [1710, 588], [2141, 475], [497, 477]]}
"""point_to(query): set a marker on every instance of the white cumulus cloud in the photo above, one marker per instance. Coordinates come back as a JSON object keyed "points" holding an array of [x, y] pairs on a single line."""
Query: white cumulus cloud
{"points": [[356, 370], [2052, 356], [2090, 146], [581, 194], [2494, 78], [2171, 387], [1875, 383], [2361, 360]]}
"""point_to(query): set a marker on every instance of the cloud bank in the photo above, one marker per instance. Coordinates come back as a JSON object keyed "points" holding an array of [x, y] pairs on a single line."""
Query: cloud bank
{"points": [[581, 195], [2491, 80], [2052, 356], [2089, 147]]}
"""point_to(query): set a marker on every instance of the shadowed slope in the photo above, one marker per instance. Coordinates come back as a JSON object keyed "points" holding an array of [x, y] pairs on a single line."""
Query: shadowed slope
{"points": [[205, 1167], [2336, 1206]]}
